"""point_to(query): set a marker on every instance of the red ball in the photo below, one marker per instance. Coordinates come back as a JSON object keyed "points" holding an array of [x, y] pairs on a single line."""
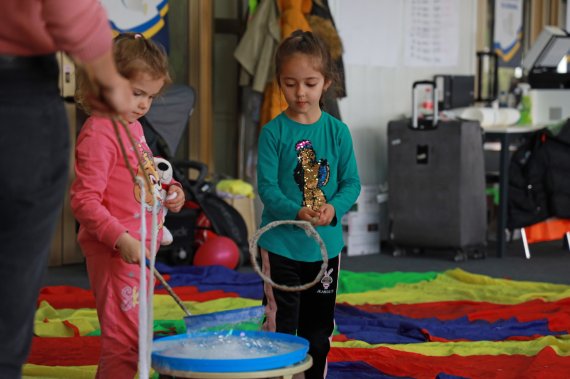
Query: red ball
{"points": [[217, 250]]}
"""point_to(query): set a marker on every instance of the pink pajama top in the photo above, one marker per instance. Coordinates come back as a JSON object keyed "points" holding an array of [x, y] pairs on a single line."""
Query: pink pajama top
{"points": [[104, 198], [38, 27]]}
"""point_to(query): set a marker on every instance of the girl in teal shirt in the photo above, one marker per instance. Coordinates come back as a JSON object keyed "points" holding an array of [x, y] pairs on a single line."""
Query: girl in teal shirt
{"points": [[306, 171]]}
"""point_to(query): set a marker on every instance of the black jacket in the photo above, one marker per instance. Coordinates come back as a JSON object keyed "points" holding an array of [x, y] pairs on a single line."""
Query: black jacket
{"points": [[539, 179]]}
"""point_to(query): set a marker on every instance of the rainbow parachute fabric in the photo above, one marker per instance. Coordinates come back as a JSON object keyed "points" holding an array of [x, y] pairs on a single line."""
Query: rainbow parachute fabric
{"points": [[452, 324]]}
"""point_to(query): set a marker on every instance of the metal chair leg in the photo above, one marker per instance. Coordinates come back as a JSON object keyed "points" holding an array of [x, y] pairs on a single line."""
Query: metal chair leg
{"points": [[525, 243]]}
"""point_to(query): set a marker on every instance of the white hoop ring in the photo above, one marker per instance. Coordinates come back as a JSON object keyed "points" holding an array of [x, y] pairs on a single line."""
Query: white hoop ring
{"points": [[311, 232]]}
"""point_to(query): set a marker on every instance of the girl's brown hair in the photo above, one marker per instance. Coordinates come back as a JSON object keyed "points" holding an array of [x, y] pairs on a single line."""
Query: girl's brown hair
{"points": [[134, 55], [304, 42]]}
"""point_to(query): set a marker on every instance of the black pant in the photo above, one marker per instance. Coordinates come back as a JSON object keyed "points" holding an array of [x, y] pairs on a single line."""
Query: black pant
{"points": [[310, 313], [34, 154]]}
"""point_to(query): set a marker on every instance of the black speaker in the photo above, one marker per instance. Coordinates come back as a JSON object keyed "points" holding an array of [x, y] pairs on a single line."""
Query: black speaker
{"points": [[436, 182], [455, 91]]}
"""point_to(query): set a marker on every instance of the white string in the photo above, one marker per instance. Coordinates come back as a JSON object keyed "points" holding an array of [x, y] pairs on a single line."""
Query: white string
{"points": [[311, 232], [143, 326], [153, 251], [146, 285], [145, 296]]}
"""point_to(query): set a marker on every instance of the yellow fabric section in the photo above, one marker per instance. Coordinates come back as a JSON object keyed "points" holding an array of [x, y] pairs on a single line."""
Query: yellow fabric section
{"points": [[165, 308], [53, 372], [457, 284], [560, 344], [58, 372], [49, 322]]}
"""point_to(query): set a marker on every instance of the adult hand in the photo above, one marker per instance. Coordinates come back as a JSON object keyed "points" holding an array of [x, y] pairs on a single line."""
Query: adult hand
{"points": [[129, 248], [110, 94], [115, 99]]}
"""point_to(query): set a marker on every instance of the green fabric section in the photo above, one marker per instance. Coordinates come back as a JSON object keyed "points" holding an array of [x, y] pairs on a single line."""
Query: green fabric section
{"points": [[355, 282], [169, 327], [246, 325], [560, 344], [457, 284], [160, 327], [494, 193], [163, 328]]}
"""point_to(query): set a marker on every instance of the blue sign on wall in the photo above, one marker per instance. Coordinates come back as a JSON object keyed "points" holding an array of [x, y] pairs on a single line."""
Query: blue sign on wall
{"points": [[148, 17]]}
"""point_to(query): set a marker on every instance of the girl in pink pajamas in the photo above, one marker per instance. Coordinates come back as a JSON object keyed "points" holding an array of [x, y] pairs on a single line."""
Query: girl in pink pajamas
{"points": [[106, 201]]}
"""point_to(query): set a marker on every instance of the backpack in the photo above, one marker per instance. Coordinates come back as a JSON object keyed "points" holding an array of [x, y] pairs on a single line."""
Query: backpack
{"points": [[527, 196]]}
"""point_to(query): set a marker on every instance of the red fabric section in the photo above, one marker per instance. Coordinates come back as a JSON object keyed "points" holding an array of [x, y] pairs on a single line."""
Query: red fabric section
{"points": [[549, 230], [67, 297], [75, 298], [340, 338], [557, 313], [190, 293], [545, 365], [512, 338], [65, 351], [75, 329]]}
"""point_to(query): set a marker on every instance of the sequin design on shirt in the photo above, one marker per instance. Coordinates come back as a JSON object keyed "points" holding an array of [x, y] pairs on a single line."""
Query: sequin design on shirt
{"points": [[311, 175]]}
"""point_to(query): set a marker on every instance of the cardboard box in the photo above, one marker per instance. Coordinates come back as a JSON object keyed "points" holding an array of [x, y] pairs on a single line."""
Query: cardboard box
{"points": [[244, 205], [362, 245], [361, 233], [367, 200]]}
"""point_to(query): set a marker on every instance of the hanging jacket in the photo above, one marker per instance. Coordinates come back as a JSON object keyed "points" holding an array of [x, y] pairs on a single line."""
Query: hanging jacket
{"points": [[256, 48], [292, 18], [322, 23]]}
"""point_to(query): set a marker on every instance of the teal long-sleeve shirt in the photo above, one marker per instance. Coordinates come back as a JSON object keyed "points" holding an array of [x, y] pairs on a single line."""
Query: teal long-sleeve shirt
{"points": [[300, 164]]}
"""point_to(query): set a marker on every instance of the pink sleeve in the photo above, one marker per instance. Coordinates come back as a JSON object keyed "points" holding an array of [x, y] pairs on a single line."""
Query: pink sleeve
{"points": [[96, 155], [78, 27]]}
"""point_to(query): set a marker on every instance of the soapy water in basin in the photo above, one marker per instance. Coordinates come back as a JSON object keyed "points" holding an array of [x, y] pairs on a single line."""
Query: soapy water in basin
{"points": [[225, 346]]}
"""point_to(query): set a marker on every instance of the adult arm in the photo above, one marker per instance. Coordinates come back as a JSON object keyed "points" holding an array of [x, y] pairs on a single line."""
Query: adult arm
{"points": [[81, 28]]}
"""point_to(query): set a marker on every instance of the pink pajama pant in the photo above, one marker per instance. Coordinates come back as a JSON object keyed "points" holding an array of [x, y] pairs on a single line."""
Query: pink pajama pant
{"points": [[115, 284]]}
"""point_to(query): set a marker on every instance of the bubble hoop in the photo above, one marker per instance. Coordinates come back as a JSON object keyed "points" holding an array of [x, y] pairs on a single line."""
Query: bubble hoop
{"points": [[310, 231]]}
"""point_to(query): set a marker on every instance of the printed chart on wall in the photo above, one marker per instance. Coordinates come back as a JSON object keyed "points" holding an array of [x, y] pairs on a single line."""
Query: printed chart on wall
{"points": [[431, 33]]}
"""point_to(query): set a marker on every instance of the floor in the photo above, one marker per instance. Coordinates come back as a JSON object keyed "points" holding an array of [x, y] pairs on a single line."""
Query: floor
{"points": [[550, 262]]}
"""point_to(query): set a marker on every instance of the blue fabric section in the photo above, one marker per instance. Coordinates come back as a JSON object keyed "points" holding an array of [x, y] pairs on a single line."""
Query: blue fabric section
{"points": [[376, 327], [389, 328], [443, 375], [207, 278], [356, 370]]}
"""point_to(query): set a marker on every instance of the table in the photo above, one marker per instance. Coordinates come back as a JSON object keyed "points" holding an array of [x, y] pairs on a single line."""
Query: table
{"points": [[504, 135], [285, 372]]}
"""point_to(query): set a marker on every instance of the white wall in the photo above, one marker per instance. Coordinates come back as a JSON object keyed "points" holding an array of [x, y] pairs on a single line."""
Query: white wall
{"points": [[377, 95]]}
